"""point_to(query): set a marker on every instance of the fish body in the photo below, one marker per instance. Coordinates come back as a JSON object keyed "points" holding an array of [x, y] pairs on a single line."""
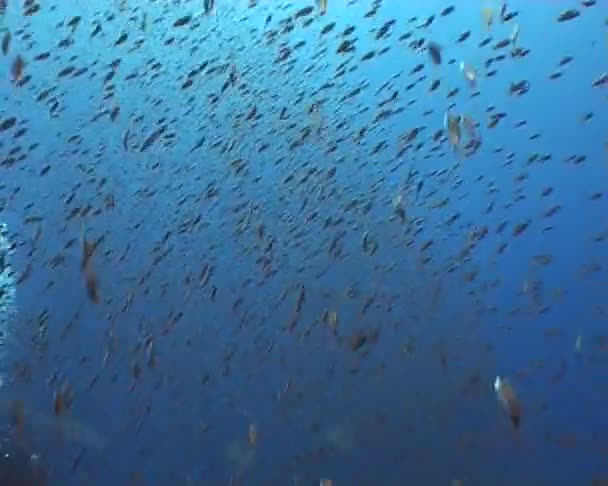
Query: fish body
{"points": [[209, 6], [451, 124], [434, 50], [90, 278], [470, 127], [514, 34], [487, 14], [508, 400], [469, 74]]}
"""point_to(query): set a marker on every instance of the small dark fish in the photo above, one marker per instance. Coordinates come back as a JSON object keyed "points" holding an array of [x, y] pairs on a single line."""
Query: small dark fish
{"points": [[73, 23], [91, 285], [448, 10], [303, 12], [357, 341], [7, 123], [125, 140], [520, 228], [121, 39], [547, 191], [208, 6], [503, 11], [419, 187], [501, 44], [328, 28], [509, 16], [568, 15], [435, 52], [17, 68], [6, 43], [427, 22], [96, 30], [464, 36], [88, 249], [182, 21], [152, 138], [519, 88], [600, 81], [556, 75], [114, 113]]}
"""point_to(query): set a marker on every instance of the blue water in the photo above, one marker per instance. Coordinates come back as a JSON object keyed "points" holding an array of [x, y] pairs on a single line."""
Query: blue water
{"points": [[207, 251]]}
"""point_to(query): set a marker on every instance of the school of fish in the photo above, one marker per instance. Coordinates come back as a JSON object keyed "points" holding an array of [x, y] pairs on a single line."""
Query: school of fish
{"points": [[212, 192]]}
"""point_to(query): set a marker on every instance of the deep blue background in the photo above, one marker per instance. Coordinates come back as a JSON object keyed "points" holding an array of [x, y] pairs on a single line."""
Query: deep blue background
{"points": [[390, 413]]}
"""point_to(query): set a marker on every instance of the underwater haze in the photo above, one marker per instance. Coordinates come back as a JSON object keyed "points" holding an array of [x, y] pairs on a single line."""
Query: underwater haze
{"points": [[283, 242]]}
